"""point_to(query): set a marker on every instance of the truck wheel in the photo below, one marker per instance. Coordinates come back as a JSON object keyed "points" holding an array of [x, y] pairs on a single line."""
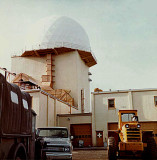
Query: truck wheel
{"points": [[111, 149], [17, 152], [20, 155], [151, 148]]}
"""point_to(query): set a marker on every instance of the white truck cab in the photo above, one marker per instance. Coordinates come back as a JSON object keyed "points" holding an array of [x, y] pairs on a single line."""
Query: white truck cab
{"points": [[53, 143]]}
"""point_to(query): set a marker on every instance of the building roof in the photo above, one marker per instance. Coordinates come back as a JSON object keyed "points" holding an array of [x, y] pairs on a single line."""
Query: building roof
{"points": [[74, 114], [125, 91], [24, 77], [56, 35]]}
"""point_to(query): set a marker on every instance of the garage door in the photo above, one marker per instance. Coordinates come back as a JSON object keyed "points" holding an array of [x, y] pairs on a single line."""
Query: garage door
{"points": [[112, 126], [150, 126], [81, 132]]}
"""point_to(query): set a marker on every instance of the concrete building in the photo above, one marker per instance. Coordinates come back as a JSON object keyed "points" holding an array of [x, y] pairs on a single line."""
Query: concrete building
{"points": [[106, 104], [60, 60], [54, 69]]}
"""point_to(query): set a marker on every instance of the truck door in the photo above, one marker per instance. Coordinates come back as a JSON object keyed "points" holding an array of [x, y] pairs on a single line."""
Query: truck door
{"points": [[1, 90], [32, 140]]}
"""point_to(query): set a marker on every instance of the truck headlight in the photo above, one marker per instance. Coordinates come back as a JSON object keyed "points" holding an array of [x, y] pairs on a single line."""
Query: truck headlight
{"points": [[138, 125], [127, 125], [67, 149]]}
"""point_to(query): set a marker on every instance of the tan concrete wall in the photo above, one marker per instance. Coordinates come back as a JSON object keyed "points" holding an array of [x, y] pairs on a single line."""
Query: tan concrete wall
{"points": [[43, 105], [93, 119], [73, 110], [83, 83], [144, 103], [103, 114], [71, 73], [47, 108], [33, 66], [65, 73], [51, 112], [62, 108], [35, 105], [66, 121]]}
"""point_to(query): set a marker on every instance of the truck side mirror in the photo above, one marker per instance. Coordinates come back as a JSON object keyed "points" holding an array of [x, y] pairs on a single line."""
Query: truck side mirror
{"points": [[36, 134]]}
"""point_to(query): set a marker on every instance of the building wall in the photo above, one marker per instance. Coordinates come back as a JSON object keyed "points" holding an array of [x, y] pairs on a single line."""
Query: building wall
{"points": [[47, 108], [43, 105], [144, 103], [141, 101], [66, 121], [101, 114], [35, 105], [71, 73], [62, 108], [83, 83], [32, 66], [66, 74]]}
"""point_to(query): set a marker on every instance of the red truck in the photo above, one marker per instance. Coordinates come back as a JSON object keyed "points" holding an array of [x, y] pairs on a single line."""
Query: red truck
{"points": [[17, 123]]}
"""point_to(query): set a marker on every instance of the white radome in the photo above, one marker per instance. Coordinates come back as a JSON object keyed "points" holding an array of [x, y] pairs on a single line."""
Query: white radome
{"points": [[54, 32]]}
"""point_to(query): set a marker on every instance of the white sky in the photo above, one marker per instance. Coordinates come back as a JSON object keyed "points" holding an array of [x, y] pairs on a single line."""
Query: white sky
{"points": [[122, 33]]}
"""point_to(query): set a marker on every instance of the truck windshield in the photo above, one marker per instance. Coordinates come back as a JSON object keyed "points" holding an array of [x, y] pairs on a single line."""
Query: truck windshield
{"points": [[55, 133], [127, 117]]}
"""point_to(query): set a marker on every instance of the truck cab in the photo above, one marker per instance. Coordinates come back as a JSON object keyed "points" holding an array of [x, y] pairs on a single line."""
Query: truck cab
{"points": [[129, 127], [129, 139], [53, 143]]}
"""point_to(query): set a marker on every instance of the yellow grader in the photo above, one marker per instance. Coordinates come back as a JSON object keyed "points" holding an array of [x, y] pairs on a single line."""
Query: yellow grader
{"points": [[129, 139]]}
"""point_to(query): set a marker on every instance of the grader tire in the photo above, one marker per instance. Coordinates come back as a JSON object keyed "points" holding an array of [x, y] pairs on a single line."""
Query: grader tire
{"points": [[111, 149], [151, 148]]}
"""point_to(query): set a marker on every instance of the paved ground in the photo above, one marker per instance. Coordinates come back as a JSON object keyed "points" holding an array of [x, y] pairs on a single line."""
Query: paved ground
{"points": [[91, 155]]}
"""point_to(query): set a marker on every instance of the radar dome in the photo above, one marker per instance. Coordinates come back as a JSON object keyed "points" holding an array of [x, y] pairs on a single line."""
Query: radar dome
{"points": [[54, 32]]}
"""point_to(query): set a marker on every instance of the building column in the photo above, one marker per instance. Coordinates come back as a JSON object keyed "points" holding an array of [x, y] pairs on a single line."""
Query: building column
{"points": [[93, 120], [130, 100]]}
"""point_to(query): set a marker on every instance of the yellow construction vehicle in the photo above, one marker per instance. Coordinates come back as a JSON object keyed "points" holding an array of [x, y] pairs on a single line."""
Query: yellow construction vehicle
{"points": [[129, 139]]}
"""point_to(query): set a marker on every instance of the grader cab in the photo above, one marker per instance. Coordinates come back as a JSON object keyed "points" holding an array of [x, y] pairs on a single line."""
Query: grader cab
{"points": [[131, 141]]}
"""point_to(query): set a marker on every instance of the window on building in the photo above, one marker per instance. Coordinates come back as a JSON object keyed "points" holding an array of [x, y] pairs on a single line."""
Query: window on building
{"points": [[155, 100], [111, 103]]}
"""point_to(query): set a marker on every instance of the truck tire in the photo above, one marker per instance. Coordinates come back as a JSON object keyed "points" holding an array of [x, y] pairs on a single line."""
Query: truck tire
{"points": [[17, 152], [111, 149], [151, 148]]}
